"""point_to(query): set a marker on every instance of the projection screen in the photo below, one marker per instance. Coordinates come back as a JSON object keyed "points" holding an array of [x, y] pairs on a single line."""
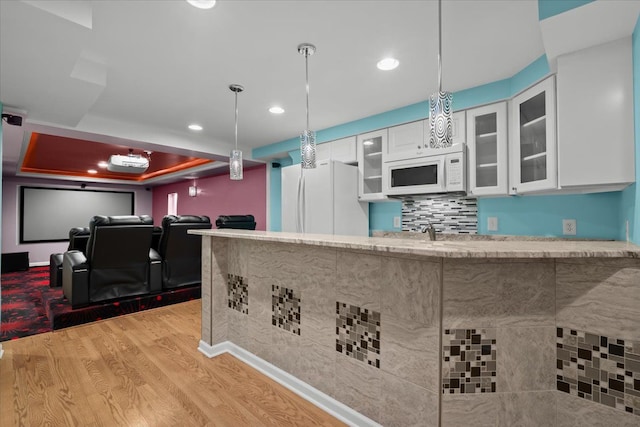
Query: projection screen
{"points": [[47, 214]]}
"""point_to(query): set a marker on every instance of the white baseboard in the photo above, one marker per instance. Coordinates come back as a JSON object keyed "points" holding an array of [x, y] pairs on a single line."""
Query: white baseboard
{"points": [[38, 264], [302, 389]]}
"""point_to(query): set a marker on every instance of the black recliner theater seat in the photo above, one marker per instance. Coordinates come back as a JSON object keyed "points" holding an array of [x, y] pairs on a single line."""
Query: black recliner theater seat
{"points": [[78, 238], [119, 262], [181, 252]]}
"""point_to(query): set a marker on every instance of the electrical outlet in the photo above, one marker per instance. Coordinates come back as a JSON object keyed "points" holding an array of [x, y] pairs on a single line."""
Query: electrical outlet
{"points": [[397, 222], [569, 227], [492, 223]]}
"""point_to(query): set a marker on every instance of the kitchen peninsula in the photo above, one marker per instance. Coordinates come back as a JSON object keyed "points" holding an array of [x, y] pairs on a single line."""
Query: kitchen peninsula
{"points": [[414, 332]]}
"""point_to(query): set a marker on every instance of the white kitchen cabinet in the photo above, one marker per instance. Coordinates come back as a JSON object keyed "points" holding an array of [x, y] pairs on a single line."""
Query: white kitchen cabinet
{"points": [[533, 156], [595, 118], [411, 140], [323, 151], [458, 131], [371, 147], [487, 159], [342, 150], [406, 141]]}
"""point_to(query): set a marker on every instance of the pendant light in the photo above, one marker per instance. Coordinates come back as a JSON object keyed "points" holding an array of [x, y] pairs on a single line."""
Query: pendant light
{"points": [[440, 114], [308, 137], [235, 160]]}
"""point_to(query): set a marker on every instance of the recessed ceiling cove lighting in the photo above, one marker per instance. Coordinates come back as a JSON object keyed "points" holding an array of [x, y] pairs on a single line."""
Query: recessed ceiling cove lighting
{"points": [[103, 164], [276, 110], [202, 4], [387, 64], [92, 171], [194, 126]]}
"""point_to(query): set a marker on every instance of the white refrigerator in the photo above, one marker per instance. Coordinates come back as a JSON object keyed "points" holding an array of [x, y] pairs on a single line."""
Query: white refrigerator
{"points": [[323, 200]]}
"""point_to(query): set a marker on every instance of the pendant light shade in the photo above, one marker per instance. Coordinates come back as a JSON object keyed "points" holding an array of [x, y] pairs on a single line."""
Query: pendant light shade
{"points": [[235, 159], [308, 137], [440, 114]]}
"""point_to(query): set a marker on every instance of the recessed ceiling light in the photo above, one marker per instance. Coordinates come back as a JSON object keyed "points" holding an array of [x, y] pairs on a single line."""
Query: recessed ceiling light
{"points": [[92, 171], [103, 164], [194, 126], [276, 110], [387, 64], [202, 4]]}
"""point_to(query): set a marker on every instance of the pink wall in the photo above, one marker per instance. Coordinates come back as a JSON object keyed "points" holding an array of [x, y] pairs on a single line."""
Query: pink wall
{"points": [[218, 195]]}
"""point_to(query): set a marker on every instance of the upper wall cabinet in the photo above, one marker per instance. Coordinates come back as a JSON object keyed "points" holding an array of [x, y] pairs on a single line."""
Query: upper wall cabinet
{"points": [[487, 149], [411, 140], [371, 147], [458, 132], [342, 150], [595, 118], [533, 139], [406, 141]]}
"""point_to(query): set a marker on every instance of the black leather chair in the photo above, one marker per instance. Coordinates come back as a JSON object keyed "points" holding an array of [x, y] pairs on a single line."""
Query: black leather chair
{"points": [[119, 262], [243, 222], [155, 237], [78, 238], [181, 252]]}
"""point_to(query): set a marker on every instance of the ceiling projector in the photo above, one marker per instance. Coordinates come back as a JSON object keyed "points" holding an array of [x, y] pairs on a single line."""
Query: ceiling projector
{"points": [[131, 163]]}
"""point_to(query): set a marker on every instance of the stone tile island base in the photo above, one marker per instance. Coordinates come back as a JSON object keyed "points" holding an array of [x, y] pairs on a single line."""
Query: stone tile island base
{"points": [[408, 336]]}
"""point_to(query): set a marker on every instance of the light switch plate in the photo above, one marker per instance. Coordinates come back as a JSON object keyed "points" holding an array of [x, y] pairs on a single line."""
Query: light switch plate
{"points": [[492, 223], [397, 222]]}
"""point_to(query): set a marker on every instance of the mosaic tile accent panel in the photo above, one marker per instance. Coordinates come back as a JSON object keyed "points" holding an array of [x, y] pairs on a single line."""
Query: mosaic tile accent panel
{"points": [[602, 369], [469, 361], [238, 291], [449, 213], [358, 331], [285, 306]]}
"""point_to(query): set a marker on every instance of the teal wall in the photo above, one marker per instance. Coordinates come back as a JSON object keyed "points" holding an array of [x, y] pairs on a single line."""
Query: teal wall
{"points": [[596, 215], [275, 196], [600, 215], [630, 201]]}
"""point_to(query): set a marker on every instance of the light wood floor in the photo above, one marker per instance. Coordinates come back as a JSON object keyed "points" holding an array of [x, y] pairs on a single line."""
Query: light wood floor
{"points": [[141, 369]]}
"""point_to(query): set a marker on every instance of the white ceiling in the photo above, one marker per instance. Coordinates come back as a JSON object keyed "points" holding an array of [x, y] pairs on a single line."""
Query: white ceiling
{"points": [[143, 70]]}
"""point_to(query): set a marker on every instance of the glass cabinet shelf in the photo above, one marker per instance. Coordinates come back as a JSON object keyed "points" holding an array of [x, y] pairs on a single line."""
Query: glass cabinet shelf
{"points": [[534, 156], [485, 136], [534, 122]]}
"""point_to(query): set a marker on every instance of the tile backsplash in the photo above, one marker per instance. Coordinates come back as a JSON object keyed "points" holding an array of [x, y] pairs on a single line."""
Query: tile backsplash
{"points": [[449, 213]]}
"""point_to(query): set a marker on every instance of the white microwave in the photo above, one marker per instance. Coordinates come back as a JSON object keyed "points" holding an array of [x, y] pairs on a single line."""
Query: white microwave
{"points": [[440, 173]]}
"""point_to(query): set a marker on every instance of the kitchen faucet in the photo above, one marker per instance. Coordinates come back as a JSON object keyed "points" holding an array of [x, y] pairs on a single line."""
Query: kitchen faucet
{"points": [[430, 229]]}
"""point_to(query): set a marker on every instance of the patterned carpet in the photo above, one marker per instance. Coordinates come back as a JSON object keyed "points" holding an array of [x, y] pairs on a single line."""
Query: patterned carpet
{"points": [[23, 311], [30, 306]]}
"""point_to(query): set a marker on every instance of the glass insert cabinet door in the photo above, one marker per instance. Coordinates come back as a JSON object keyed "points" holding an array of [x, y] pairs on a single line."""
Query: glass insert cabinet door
{"points": [[487, 145], [370, 148], [534, 161]]}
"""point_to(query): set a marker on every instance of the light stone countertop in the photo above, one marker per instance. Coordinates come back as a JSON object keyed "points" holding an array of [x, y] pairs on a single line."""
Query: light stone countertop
{"points": [[444, 248]]}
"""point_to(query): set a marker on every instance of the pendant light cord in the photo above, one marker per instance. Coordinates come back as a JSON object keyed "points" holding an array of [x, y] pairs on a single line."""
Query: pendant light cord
{"points": [[236, 120], [439, 46], [306, 66]]}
